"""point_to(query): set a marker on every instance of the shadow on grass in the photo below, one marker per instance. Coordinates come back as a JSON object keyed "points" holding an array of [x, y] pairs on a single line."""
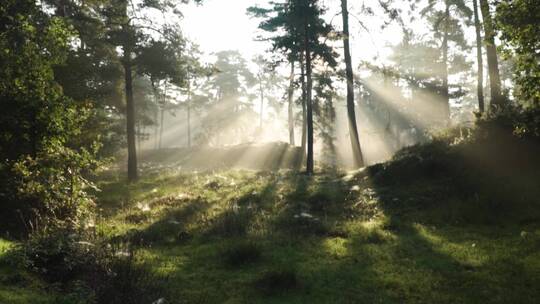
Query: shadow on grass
{"points": [[300, 249]]}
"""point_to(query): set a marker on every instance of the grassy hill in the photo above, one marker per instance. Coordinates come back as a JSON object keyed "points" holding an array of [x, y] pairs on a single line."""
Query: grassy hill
{"points": [[440, 223]]}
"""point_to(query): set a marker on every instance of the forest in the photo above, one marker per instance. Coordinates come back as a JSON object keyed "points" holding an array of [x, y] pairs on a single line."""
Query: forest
{"points": [[269, 151]]}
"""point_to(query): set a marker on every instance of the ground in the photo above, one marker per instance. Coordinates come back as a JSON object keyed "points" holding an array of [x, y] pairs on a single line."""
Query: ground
{"points": [[238, 236]]}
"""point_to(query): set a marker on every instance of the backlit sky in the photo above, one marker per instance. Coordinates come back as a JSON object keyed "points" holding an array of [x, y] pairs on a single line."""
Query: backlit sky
{"points": [[223, 25]]}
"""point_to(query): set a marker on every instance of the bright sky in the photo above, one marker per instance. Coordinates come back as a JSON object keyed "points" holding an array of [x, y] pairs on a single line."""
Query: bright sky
{"points": [[218, 25]]}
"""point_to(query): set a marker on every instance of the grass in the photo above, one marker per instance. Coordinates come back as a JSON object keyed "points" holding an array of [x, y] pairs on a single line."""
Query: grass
{"points": [[17, 286], [282, 237]]}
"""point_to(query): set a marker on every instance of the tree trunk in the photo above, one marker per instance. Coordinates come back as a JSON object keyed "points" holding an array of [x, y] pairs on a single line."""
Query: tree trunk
{"points": [[493, 64], [479, 61], [161, 129], [290, 109], [304, 114], [309, 107], [138, 135], [261, 93], [189, 126], [188, 110], [445, 93], [353, 129], [130, 118], [156, 126]]}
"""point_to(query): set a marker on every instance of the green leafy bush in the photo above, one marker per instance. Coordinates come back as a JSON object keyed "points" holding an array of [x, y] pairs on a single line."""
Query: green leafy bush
{"points": [[516, 121], [89, 268], [52, 190]]}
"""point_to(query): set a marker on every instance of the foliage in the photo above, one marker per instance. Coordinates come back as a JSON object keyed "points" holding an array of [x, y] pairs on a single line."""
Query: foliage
{"points": [[43, 147], [518, 121], [230, 108], [520, 29], [89, 269], [34, 109], [53, 188]]}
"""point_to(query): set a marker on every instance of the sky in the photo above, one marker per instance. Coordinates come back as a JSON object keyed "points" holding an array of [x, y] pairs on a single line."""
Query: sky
{"points": [[219, 25]]}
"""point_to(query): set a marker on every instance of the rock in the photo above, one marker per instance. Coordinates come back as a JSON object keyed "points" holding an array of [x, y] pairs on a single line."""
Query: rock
{"points": [[160, 301]]}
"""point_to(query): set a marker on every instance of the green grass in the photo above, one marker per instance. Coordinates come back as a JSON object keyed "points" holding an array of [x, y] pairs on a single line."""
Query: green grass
{"points": [[283, 237], [340, 243], [18, 286]]}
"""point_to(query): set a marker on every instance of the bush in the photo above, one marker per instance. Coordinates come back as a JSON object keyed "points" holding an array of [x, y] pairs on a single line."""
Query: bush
{"points": [[91, 269], [51, 189], [516, 121], [60, 255]]}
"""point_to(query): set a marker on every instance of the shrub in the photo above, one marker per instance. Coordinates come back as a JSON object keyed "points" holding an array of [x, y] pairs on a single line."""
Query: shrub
{"points": [[60, 255], [51, 189], [91, 269], [517, 121]]}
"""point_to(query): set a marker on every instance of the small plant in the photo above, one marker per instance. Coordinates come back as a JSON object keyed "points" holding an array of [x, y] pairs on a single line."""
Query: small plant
{"points": [[59, 255], [242, 253]]}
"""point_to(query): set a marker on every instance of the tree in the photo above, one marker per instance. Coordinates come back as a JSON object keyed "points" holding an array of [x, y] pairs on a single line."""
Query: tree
{"points": [[447, 28], [43, 152], [128, 28], [266, 80], [290, 105], [325, 114], [497, 99], [479, 61], [276, 18], [299, 31], [34, 110], [231, 106], [519, 22], [353, 130], [91, 72], [196, 97]]}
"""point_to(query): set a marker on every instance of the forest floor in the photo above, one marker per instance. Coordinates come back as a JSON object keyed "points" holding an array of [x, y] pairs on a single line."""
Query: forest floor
{"points": [[239, 236]]}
